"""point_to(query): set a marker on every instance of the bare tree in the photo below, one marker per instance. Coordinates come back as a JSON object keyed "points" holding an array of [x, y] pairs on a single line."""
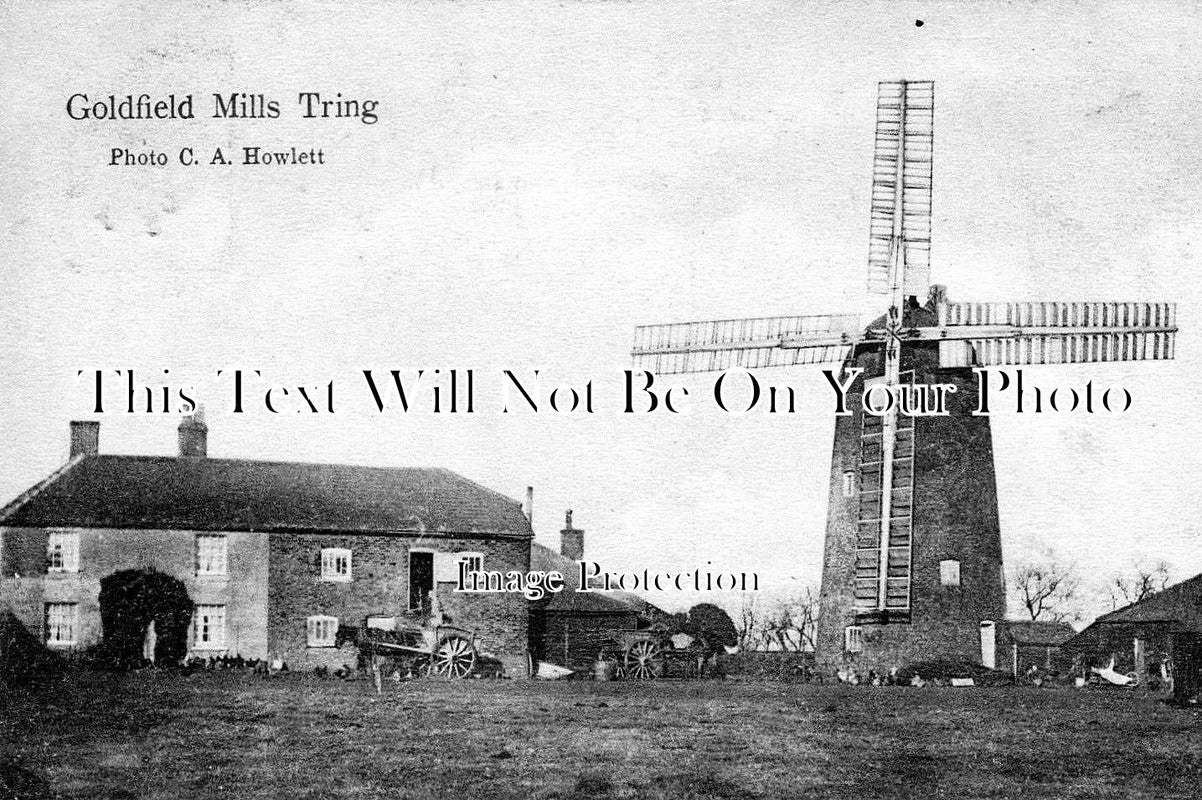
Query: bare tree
{"points": [[1047, 589], [1144, 579], [792, 623], [747, 625]]}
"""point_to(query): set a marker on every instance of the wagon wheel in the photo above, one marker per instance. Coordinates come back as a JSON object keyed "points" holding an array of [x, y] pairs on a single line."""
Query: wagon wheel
{"points": [[454, 658], [644, 660]]}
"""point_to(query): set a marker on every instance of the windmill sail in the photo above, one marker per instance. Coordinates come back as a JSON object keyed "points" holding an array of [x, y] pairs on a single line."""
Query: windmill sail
{"points": [[1000, 334], [749, 343], [900, 230], [885, 519]]}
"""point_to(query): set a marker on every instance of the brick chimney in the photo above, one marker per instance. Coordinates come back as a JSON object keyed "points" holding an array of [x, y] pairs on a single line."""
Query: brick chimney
{"points": [[194, 436], [85, 437], [571, 540]]}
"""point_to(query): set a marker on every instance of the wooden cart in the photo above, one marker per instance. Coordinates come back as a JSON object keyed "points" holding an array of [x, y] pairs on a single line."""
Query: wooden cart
{"points": [[443, 650], [650, 654]]}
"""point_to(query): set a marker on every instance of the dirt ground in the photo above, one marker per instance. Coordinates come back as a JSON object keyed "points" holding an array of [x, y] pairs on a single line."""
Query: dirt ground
{"points": [[158, 735]]}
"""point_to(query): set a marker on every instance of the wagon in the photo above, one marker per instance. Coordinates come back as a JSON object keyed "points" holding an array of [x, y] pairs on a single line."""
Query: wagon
{"points": [[443, 650], [650, 654]]}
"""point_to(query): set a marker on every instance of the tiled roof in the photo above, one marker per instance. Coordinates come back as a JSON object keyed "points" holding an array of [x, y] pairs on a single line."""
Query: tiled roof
{"points": [[151, 492]]}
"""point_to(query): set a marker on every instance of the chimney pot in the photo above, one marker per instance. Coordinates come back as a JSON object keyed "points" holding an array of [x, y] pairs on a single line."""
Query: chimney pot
{"points": [[194, 436], [530, 505], [85, 438], [571, 540]]}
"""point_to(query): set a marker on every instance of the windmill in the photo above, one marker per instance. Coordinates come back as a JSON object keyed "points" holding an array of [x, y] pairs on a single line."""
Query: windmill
{"points": [[912, 565]]}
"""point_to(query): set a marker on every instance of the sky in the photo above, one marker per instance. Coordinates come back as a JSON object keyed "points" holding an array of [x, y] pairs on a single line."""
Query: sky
{"points": [[542, 178]]}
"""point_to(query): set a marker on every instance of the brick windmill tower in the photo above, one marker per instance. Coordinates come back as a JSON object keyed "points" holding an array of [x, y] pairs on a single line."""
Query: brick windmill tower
{"points": [[912, 568]]}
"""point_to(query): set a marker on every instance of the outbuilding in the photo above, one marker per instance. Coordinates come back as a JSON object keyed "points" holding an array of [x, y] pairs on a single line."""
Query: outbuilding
{"points": [[1158, 640]]}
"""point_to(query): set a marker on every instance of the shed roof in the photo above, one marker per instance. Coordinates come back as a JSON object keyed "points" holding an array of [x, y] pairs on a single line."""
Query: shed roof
{"points": [[154, 492], [1180, 604], [1034, 632]]}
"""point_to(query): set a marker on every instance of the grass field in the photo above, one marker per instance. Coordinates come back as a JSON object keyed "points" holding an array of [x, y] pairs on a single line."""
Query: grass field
{"points": [[157, 735]]}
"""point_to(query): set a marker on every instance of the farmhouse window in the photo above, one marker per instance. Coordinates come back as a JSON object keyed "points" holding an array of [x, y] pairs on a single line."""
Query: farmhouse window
{"points": [[62, 620], [211, 554], [446, 565], [853, 641], [949, 572], [210, 627], [323, 631], [474, 561], [849, 483], [335, 564], [62, 552]]}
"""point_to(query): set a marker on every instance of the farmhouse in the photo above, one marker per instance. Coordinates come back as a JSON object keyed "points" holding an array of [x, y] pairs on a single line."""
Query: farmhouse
{"points": [[1156, 638], [252, 558]]}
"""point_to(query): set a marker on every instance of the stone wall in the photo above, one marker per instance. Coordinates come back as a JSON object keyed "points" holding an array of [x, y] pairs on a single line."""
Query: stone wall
{"points": [[380, 587], [26, 585], [273, 585]]}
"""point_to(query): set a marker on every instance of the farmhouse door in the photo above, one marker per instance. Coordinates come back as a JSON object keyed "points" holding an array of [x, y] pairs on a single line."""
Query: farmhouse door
{"points": [[421, 580]]}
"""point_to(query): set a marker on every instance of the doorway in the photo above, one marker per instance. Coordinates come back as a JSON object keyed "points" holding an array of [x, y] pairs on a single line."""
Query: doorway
{"points": [[130, 602], [421, 580]]}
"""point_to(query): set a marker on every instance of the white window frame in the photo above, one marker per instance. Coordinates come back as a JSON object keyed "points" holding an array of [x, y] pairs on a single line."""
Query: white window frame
{"points": [[330, 556], [475, 562], [853, 639], [446, 565], [949, 572], [62, 628], [322, 631], [67, 551], [849, 483], [209, 627], [212, 566]]}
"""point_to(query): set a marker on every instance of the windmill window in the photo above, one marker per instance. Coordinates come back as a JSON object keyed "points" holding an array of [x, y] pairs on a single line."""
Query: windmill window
{"points": [[62, 552], [62, 622], [210, 627], [853, 639], [323, 631], [210, 554], [849, 483], [949, 572], [336, 564]]}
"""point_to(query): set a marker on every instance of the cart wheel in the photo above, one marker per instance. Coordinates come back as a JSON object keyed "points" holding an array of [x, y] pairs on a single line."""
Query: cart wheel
{"points": [[643, 661], [454, 658]]}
